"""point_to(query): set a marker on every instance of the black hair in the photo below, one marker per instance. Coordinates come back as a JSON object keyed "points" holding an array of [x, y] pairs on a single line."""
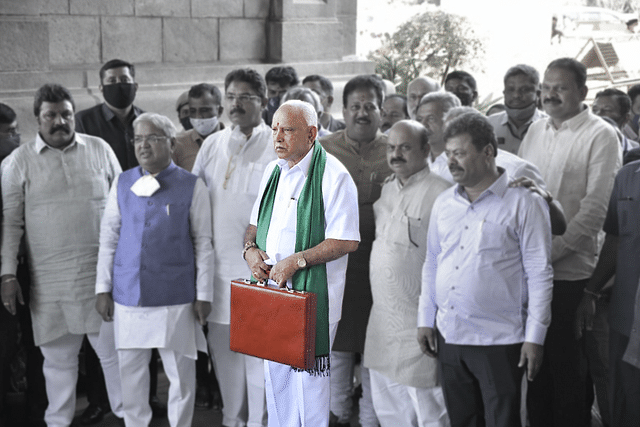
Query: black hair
{"points": [[284, 76], [325, 83], [576, 68], [250, 76], [464, 76], [477, 127], [7, 115], [621, 98], [53, 93], [117, 63], [364, 81], [201, 89]]}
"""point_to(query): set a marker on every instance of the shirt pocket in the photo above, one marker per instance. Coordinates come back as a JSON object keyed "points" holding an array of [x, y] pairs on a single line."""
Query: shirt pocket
{"points": [[407, 231], [252, 177], [491, 237]]}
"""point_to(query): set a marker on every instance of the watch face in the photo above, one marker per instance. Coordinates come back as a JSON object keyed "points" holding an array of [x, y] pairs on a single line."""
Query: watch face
{"points": [[302, 263]]}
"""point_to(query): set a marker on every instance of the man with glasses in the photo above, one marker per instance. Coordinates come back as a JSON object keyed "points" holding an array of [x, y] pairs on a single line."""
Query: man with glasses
{"points": [[231, 163], [521, 97], [404, 385], [113, 119], [154, 276], [54, 190]]}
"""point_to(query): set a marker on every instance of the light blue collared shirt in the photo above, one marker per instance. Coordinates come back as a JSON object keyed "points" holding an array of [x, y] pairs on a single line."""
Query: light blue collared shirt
{"points": [[487, 278]]}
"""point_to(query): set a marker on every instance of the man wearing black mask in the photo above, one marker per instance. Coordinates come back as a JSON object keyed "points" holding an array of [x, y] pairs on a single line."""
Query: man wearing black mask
{"points": [[113, 119], [279, 80]]}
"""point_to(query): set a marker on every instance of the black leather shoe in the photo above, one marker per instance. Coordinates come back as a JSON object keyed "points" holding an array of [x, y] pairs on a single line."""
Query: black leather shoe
{"points": [[93, 415], [204, 400], [158, 408]]}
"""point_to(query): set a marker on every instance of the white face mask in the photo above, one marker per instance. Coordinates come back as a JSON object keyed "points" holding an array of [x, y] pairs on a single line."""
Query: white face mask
{"points": [[204, 126]]}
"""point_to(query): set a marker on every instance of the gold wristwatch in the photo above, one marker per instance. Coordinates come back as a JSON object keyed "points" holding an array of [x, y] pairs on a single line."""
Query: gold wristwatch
{"points": [[302, 263]]}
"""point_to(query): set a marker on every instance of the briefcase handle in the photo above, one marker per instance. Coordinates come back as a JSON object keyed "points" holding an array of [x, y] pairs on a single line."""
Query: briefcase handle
{"points": [[263, 283]]}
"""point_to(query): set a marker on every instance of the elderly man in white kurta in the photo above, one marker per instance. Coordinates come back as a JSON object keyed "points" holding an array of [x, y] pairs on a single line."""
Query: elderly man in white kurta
{"points": [[231, 163], [155, 262], [302, 225], [54, 190], [404, 384]]}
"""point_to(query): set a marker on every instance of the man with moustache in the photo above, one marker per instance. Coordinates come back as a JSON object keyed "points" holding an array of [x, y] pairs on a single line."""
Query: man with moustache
{"points": [[54, 190], [521, 95], [205, 110], [231, 163], [154, 278], [113, 119], [416, 89], [462, 85], [578, 156], [614, 106], [394, 109], [486, 282], [361, 147], [404, 384]]}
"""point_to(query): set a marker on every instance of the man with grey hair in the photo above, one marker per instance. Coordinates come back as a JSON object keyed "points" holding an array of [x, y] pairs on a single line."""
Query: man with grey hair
{"points": [[307, 95], [154, 276], [430, 112], [418, 88], [305, 186], [521, 97]]}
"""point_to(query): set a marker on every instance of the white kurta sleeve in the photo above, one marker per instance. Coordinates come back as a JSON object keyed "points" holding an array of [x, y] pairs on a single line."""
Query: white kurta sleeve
{"points": [[109, 236], [202, 237]]}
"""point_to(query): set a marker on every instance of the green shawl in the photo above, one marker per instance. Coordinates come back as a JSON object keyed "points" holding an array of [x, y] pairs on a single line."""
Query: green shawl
{"points": [[309, 233]]}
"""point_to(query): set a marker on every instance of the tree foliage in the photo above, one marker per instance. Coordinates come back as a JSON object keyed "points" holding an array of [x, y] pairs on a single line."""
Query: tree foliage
{"points": [[432, 44]]}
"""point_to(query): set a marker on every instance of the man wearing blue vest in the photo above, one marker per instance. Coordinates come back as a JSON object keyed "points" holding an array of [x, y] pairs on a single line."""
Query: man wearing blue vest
{"points": [[155, 271]]}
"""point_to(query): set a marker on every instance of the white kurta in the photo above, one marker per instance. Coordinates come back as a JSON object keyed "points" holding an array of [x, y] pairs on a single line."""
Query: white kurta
{"points": [[173, 327]]}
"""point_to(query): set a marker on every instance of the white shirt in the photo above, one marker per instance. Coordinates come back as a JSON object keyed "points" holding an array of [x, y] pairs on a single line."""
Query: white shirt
{"points": [[514, 165], [340, 199], [487, 278], [228, 155], [175, 326], [579, 162]]}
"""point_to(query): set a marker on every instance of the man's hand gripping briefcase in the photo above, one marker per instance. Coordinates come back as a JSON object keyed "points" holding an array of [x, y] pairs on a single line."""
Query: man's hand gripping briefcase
{"points": [[273, 324]]}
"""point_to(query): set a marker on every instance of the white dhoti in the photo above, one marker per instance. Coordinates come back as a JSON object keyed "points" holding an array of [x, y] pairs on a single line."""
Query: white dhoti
{"points": [[401, 405], [60, 371], [173, 330], [297, 399], [241, 379]]}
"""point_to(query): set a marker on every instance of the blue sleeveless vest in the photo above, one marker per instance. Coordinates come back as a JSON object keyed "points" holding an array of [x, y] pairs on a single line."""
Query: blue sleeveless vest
{"points": [[154, 263]]}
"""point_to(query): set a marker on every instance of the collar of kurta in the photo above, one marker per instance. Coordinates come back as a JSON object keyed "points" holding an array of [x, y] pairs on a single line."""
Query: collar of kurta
{"points": [[573, 123], [41, 144]]}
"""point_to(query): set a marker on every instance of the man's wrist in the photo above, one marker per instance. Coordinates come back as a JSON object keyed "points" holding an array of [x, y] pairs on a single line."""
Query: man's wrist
{"points": [[248, 246]]}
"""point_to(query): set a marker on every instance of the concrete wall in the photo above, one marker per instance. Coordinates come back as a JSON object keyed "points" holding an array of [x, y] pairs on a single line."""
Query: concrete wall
{"points": [[174, 44], [40, 35]]}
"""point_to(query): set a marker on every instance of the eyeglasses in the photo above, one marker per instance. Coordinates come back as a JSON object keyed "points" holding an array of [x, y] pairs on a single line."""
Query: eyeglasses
{"points": [[242, 98], [151, 139], [50, 116]]}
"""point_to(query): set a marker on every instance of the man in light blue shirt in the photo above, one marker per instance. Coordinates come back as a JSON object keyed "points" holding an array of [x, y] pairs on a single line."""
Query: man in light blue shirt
{"points": [[486, 282]]}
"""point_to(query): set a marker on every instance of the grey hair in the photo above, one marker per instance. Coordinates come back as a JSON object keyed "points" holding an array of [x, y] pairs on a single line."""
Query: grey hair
{"points": [[308, 112], [447, 100], [457, 112], [159, 121], [302, 93]]}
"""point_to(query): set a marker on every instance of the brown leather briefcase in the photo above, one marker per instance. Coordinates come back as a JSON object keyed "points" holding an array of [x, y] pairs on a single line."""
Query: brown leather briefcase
{"points": [[273, 324]]}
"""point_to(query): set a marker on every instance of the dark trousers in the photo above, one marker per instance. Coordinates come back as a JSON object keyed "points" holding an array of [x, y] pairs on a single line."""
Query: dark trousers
{"points": [[481, 384], [21, 362], [557, 396], [625, 384]]}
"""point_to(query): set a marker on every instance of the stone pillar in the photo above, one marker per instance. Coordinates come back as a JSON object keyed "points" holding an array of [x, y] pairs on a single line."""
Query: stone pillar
{"points": [[311, 30]]}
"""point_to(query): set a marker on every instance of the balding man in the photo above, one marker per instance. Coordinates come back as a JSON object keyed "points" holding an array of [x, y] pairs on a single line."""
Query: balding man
{"points": [[306, 186], [404, 384], [418, 88]]}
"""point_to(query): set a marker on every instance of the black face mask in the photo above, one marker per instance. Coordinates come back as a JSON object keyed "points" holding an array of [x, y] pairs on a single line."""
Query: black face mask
{"points": [[119, 95], [186, 123]]}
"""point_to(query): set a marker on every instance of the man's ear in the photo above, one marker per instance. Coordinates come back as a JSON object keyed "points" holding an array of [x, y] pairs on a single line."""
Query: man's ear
{"points": [[313, 133], [173, 144]]}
